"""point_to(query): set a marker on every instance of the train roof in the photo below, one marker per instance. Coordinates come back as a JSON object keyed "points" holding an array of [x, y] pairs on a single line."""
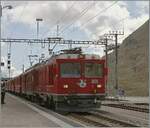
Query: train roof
{"points": [[76, 56], [73, 53], [63, 54]]}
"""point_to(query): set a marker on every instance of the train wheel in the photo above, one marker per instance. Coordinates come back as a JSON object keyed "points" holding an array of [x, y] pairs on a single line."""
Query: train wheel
{"points": [[30, 97], [63, 112], [47, 103], [33, 98], [38, 99], [53, 104]]}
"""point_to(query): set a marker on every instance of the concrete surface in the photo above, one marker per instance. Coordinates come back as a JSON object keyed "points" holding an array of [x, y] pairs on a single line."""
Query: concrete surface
{"points": [[17, 113], [140, 118], [137, 99], [130, 99]]}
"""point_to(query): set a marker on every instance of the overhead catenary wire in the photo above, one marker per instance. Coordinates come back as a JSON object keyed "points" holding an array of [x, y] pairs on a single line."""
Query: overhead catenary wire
{"points": [[83, 12], [66, 13], [61, 18], [101, 11], [114, 26], [21, 14], [98, 15]]}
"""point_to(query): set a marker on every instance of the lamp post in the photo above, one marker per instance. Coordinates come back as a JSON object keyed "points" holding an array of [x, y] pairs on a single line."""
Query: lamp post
{"points": [[38, 20], [1, 8]]}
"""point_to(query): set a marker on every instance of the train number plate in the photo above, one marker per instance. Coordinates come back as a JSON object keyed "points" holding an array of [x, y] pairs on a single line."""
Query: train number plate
{"points": [[94, 81]]}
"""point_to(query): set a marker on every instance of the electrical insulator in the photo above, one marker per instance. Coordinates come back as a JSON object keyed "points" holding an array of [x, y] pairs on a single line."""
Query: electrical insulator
{"points": [[8, 62], [8, 67], [42, 55], [8, 55], [43, 45]]}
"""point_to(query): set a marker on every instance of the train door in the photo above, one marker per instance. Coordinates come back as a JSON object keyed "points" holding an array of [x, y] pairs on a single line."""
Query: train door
{"points": [[35, 82], [51, 75]]}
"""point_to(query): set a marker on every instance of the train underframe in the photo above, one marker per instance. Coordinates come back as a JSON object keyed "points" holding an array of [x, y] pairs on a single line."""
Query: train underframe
{"points": [[77, 103], [66, 103]]}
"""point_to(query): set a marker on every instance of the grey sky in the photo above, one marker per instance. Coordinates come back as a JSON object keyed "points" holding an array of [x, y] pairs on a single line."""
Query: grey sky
{"points": [[20, 23]]}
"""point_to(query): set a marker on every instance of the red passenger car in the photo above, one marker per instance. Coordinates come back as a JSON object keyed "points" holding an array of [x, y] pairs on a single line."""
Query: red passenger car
{"points": [[65, 82]]}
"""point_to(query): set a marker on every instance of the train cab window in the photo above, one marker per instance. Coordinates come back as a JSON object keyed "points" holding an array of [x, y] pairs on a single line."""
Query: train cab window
{"points": [[93, 70], [70, 70]]}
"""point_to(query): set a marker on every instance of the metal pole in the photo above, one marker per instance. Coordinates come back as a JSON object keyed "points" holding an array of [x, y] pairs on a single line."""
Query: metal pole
{"points": [[106, 48], [106, 55], [9, 59], [0, 43], [37, 29], [116, 64], [57, 30], [23, 68], [9, 74]]}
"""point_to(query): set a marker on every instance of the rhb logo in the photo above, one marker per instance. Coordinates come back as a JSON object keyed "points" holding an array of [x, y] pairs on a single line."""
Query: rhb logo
{"points": [[82, 83]]}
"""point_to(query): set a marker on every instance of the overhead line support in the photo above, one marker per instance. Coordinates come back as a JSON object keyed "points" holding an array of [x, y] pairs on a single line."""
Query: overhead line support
{"points": [[52, 41], [115, 34]]}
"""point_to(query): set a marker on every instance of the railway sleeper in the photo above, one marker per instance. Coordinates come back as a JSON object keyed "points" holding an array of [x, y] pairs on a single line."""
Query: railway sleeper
{"points": [[113, 120], [123, 106], [89, 121]]}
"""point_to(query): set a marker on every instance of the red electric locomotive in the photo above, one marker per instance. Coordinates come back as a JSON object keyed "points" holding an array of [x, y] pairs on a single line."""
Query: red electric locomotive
{"points": [[71, 81]]}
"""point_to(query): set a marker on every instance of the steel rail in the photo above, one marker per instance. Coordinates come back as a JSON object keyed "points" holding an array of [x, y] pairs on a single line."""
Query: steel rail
{"points": [[98, 114], [87, 120], [128, 107]]}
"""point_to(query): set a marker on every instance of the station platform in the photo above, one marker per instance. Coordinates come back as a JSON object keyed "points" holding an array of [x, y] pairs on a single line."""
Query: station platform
{"points": [[19, 113], [137, 99], [129, 99]]}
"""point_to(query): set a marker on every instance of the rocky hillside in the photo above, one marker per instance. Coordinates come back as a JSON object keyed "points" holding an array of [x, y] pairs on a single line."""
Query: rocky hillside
{"points": [[132, 64]]}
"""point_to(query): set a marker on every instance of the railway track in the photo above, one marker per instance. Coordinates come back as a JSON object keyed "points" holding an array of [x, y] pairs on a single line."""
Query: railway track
{"points": [[128, 107], [116, 122], [86, 119], [101, 120], [146, 105]]}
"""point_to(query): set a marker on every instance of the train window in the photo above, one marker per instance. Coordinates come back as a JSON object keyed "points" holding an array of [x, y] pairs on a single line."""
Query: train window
{"points": [[93, 70], [70, 70]]}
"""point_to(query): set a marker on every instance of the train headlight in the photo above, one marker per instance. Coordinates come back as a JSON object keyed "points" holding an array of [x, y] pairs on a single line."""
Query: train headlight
{"points": [[99, 86], [65, 86]]}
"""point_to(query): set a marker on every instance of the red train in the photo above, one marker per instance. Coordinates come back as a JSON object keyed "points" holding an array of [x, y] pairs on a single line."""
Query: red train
{"points": [[71, 82]]}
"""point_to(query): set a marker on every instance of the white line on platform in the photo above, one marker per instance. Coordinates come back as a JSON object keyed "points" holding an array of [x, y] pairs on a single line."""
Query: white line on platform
{"points": [[52, 118]]}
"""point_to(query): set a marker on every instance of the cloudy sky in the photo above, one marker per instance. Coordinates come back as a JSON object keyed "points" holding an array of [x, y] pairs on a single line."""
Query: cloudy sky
{"points": [[77, 20]]}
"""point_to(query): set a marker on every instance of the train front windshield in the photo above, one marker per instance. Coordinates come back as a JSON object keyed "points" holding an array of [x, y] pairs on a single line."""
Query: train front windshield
{"points": [[70, 70], [93, 70]]}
